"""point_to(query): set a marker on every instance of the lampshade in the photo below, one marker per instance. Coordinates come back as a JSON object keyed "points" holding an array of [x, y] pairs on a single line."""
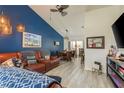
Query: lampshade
{"points": [[6, 30], [5, 25], [20, 27]]}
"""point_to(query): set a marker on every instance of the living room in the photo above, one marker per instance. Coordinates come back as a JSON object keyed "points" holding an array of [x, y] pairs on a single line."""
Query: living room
{"points": [[44, 37]]}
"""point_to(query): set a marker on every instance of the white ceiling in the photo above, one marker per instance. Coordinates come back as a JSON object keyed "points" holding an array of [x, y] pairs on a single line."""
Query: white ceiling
{"points": [[73, 21]]}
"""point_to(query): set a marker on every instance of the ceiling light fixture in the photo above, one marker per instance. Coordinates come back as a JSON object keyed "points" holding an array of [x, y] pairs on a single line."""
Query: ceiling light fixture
{"points": [[66, 37]]}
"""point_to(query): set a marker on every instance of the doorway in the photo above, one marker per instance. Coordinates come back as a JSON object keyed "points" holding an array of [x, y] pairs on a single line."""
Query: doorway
{"points": [[77, 46]]}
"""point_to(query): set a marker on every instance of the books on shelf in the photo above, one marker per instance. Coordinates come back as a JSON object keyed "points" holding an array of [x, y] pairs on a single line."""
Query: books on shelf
{"points": [[121, 70], [118, 81], [115, 69]]}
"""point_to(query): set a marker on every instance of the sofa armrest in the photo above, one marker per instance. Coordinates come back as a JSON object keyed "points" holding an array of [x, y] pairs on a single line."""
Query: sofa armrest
{"points": [[24, 63]]}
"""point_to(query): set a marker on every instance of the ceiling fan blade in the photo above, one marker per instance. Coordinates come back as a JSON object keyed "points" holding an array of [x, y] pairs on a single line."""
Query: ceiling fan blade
{"points": [[64, 13], [64, 6], [58, 6], [53, 10]]}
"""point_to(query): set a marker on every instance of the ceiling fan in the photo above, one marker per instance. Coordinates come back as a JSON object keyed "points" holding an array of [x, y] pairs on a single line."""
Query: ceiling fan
{"points": [[60, 8]]}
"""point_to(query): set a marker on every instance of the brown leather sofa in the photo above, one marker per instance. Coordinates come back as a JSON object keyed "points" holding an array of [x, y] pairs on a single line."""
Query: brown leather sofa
{"points": [[41, 66], [49, 64]]}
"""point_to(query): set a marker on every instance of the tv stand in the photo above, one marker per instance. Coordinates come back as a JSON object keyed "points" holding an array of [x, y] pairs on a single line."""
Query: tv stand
{"points": [[115, 70]]}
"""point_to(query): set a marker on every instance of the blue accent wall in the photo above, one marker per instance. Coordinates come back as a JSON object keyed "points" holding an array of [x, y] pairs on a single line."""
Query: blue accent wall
{"points": [[34, 24]]}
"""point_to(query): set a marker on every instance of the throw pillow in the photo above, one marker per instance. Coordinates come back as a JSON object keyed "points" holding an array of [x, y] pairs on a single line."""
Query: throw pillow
{"points": [[47, 57], [17, 62], [8, 63], [30, 57], [32, 61]]}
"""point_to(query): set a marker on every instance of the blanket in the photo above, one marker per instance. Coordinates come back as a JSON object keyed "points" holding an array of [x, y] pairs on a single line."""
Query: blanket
{"points": [[13, 77]]}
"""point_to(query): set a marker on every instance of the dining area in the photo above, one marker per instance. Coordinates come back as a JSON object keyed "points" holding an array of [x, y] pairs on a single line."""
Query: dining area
{"points": [[67, 55]]}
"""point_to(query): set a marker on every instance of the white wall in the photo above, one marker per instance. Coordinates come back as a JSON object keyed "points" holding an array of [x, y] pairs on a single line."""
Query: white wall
{"points": [[76, 38], [98, 23]]}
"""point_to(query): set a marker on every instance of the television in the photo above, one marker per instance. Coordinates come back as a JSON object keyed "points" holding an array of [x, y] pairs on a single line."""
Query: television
{"points": [[118, 31]]}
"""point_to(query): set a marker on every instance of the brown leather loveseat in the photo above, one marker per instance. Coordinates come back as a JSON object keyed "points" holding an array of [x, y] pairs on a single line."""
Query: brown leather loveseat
{"points": [[30, 62], [42, 65], [49, 63]]}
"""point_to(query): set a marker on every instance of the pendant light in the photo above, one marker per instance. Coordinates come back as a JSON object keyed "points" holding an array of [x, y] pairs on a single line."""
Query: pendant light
{"points": [[20, 27], [5, 25], [66, 37]]}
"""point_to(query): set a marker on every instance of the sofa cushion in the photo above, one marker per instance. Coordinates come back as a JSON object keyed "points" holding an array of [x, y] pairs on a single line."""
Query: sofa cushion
{"points": [[27, 54], [8, 63], [36, 67]]}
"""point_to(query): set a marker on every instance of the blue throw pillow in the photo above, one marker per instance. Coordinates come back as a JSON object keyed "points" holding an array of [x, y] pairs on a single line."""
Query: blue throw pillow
{"points": [[30, 57], [32, 61]]}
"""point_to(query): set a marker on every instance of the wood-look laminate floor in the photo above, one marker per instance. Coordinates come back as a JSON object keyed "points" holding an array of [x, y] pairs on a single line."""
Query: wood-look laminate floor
{"points": [[74, 76]]}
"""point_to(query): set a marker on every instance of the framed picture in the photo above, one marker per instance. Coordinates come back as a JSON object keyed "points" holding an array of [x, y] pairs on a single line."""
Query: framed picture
{"points": [[96, 42], [31, 40], [56, 43]]}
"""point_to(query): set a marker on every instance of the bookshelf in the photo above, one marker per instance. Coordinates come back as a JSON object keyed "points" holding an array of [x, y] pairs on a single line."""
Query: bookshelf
{"points": [[115, 70]]}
